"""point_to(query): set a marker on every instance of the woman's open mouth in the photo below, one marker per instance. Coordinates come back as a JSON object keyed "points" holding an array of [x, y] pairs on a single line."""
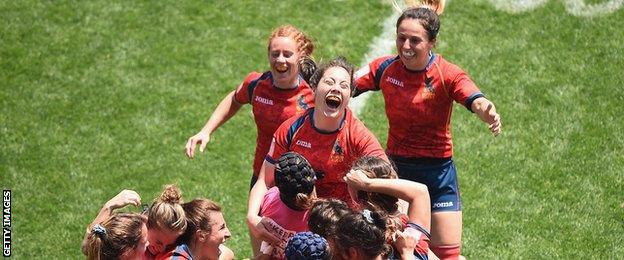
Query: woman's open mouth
{"points": [[408, 54], [333, 101], [281, 68]]}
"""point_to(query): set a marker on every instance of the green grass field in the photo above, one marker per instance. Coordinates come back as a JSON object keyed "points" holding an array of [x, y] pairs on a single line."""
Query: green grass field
{"points": [[100, 96]]}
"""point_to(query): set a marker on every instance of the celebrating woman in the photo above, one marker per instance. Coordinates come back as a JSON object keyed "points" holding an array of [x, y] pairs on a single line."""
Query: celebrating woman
{"points": [[419, 88]]}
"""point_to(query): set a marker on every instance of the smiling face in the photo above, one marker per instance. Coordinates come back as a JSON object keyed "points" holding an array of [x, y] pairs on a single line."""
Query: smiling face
{"points": [[218, 235], [413, 44], [283, 58], [333, 92]]}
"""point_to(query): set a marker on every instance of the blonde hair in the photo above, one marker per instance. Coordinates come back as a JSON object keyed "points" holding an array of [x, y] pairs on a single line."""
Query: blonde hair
{"points": [[114, 236], [435, 5], [304, 44], [166, 213]]}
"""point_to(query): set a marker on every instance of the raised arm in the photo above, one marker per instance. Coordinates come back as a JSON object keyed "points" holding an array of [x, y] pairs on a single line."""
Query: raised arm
{"points": [[416, 194], [256, 195], [124, 198], [224, 111]]}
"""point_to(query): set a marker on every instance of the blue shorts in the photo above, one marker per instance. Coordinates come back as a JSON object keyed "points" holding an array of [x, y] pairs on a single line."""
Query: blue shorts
{"points": [[439, 175]]}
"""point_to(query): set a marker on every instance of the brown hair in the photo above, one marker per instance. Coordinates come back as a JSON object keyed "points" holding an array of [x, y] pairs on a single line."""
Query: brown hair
{"points": [[375, 167], [366, 231], [304, 44], [166, 213], [114, 236], [325, 214], [340, 62], [198, 217], [427, 13]]}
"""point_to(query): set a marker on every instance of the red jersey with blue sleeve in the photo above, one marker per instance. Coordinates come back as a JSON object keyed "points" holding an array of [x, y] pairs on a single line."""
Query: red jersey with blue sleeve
{"points": [[181, 252], [271, 106], [418, 103], [330, 154]]}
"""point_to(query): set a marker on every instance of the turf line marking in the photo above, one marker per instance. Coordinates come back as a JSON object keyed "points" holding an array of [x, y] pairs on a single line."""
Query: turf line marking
{"points": [[517, 6], [573, 7], [580, 8], [381, 45]]}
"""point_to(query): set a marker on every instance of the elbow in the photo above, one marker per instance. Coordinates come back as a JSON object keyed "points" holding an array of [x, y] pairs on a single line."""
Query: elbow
{"points": [[420, 190]]}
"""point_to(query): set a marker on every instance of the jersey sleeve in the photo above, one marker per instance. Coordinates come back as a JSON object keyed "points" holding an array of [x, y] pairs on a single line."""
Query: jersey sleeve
{"points": [[365, 76], [366, 144], [243, 91], [279, 144], [461, 88]]}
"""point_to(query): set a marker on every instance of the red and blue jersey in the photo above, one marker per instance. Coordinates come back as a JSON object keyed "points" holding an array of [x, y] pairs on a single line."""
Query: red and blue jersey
{"points": [[271, 106], [330, 154], [181, 252], [418, 103]]}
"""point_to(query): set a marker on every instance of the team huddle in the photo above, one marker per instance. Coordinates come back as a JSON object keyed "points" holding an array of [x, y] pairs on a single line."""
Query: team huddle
{"points": [[322, 185]]}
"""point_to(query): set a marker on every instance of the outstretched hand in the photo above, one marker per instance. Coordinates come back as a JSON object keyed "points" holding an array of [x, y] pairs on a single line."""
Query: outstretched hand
{"points": [[493, 119], [201, 138]]}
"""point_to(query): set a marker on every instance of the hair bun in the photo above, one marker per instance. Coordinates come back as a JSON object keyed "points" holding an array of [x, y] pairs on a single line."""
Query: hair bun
{"points": [[171, 194]]}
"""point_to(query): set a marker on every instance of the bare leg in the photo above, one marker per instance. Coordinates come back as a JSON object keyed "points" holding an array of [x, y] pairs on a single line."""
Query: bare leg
{"points": [[446, 232]]}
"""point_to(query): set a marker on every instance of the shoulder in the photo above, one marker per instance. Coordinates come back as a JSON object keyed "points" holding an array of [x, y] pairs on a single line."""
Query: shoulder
{"points": [[383, 62], [385, 58], [179, 252], [225, 253], [292, 124], [446, 66], [273, 191], [353, 122], [251, 76]]}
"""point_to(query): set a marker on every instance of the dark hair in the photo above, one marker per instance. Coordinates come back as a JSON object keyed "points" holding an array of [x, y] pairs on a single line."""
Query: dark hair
{"points": [[324, 216], [427, 18], [295, 179], [307, 67], [115, 235], [375, 167], [365, 231], [339, 61], [198, 217]]}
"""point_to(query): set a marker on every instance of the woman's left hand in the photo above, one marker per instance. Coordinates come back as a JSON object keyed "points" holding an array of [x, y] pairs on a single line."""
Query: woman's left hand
{"points": [[486, 111], [493, 119]]}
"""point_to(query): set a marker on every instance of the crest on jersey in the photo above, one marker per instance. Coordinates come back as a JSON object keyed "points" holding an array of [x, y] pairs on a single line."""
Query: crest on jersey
{"points": [[337, 154], [429, 91], [301, 104]]}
